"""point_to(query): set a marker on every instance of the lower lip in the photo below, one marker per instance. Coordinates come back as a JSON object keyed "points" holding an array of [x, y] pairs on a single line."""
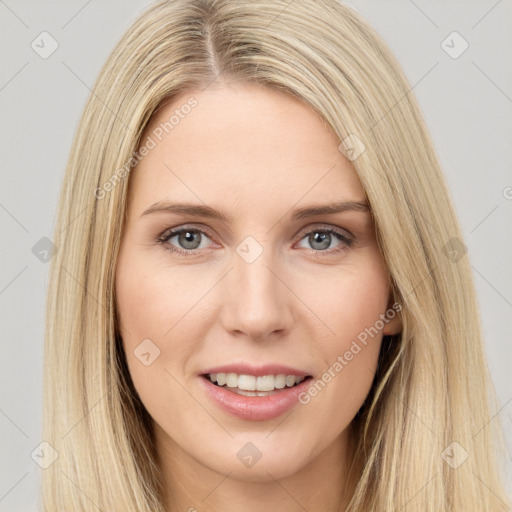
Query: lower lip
{"points": [[255, 408]]}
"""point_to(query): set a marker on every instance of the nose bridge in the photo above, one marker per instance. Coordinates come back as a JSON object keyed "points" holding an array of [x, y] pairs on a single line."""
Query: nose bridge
{"points": [[258, 302]]}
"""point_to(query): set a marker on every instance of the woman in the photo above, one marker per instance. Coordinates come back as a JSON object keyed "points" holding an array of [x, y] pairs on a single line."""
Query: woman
{"points": [[260, 300]]}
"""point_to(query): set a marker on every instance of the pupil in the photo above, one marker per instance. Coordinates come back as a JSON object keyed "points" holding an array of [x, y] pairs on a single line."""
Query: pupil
{"points": [[323, 238], [187, 239]]}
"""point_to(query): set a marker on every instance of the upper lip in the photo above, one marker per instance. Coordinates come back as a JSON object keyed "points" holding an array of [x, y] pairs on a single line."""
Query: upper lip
{"points": [[258, 371]]}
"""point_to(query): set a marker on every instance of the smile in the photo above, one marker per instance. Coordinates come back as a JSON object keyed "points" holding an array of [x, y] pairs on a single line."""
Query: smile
{"points": [[251, 385], [270, 396]]}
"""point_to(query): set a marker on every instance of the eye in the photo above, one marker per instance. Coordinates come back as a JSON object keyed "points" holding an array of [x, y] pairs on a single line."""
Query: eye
{"points": [[187, 240], [321, 240]]}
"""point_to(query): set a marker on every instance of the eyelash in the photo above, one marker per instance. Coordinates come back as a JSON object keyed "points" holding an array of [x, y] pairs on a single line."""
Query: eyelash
{"points": [[170, 233]]}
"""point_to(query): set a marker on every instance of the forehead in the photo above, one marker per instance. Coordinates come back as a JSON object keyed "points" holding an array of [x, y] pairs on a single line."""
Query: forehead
{"points": [[241, 143]]}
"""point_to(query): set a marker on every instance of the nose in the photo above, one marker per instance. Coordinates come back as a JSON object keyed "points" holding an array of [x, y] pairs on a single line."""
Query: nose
{"points": [[258, 302]]}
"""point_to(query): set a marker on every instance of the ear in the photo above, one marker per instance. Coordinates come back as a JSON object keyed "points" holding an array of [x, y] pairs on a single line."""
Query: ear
{"points": [[394, 314]]}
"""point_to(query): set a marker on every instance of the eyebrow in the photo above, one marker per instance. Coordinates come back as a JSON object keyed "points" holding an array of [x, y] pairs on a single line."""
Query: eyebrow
{"points": [[299, 213]]}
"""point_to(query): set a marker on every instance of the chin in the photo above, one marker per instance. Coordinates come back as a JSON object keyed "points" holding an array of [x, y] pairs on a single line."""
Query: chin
{"points": [[259, 458]]}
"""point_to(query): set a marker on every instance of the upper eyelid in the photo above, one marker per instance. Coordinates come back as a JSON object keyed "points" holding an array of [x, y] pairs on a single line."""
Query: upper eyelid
{"points": [[326, 227], [170, 232]]}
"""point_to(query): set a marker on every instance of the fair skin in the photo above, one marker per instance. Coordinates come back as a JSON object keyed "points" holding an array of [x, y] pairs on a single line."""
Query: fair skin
{"points": [[256, 155]]}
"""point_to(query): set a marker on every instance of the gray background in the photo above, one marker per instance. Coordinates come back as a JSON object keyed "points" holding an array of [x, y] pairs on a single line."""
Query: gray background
{"points": [[467, 103]]}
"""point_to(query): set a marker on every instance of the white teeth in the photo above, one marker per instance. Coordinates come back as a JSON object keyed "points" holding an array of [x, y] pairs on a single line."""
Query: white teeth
{"points": [[265, 383], [248, 382], [280, 381], [231, 380], [252, 383]]}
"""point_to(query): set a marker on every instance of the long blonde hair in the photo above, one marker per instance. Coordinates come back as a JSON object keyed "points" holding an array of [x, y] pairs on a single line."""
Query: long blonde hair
{"points": [[432, 387]]}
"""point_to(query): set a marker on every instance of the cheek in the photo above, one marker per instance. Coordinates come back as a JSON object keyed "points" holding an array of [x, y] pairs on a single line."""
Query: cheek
{"points": [[351, 305], [151, 297], [150, 304], [351, 300], [164, 311]]}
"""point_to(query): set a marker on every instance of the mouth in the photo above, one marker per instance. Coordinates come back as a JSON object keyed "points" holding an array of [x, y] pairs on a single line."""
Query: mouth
{"points": [[255, 386]]}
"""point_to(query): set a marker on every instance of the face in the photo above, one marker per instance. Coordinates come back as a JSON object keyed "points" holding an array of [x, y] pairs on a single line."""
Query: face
{"points": [[249, 279]]}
